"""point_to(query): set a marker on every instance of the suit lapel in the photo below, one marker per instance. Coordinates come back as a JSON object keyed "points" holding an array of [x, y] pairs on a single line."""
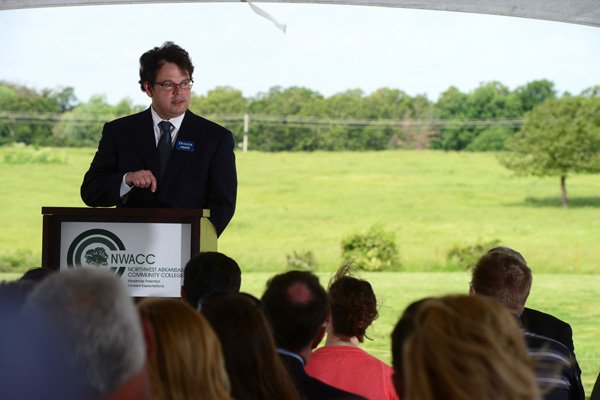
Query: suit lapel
{"points": [[147, 141]]}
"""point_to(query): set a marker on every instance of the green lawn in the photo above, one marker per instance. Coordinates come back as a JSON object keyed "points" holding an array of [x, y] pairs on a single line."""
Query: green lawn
{"points": [[310, 201], [431, 200]]}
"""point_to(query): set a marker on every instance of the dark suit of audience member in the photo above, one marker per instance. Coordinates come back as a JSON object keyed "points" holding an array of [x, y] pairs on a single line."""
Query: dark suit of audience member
{"points": [[543, 324], [548, 325], [297, 307], [596, 391], [504, 275], [310, 387], [549, 354]]}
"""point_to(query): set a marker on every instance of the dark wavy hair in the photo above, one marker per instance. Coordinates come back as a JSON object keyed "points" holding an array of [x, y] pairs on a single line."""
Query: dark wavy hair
{"points": [[152, 60], [352, 303]]}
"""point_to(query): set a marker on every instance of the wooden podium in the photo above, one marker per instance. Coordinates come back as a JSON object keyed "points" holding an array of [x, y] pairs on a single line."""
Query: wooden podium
{"points": [[146, 247]]}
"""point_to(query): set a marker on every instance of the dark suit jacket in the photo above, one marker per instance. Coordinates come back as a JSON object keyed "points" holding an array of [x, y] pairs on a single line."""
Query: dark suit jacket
{"points": [[311, 388], [204, 177], [547, 325], [596, 391], [555, 368], [551, 327]]}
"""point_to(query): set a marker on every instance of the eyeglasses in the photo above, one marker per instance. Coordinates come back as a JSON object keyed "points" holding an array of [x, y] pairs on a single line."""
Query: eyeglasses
{"points": [[170, 86]]}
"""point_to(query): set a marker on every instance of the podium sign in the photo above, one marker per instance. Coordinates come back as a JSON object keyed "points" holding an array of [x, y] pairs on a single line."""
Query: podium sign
{"points": [[147, 257], [146, 248]]}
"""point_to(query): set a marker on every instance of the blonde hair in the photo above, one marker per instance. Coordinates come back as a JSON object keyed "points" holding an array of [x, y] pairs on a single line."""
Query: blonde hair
{"points": [[188, 362], [467, 347]]}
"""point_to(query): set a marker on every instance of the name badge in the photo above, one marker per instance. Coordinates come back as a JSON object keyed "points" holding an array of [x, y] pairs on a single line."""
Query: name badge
{"points": [[185, 145]]}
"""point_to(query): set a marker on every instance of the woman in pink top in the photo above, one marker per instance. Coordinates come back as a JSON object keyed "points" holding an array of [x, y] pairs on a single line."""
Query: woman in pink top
{"points": [[341, 362]]}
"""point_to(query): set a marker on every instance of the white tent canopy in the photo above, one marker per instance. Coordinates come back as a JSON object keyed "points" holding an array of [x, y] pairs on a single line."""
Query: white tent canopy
{"points": [[584, 12]]}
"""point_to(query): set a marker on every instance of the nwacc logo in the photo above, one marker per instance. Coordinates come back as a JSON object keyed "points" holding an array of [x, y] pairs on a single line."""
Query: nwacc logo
{"points": [[89, 249]]}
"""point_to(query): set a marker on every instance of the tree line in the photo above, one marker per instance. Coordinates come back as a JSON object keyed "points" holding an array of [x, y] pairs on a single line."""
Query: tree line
{"points": [[296, 118], [535, 131]]}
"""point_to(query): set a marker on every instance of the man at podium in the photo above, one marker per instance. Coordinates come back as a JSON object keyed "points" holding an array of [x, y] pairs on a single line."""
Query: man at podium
{"points": [[165, 156]]}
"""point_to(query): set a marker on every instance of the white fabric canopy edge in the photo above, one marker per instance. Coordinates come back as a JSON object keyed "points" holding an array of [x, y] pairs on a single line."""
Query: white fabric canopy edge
{"points": [[583, 12]]}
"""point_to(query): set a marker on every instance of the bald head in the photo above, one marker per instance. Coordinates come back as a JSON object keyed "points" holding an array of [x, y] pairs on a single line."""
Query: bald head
{"points": [[297, 307], [299, 293]]}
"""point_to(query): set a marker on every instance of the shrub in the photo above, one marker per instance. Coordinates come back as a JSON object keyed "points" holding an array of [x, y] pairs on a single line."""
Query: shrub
{"points": [[304, 260], [465, 257], [374, 250], [18, 260], [20, 154], [491, 139]]}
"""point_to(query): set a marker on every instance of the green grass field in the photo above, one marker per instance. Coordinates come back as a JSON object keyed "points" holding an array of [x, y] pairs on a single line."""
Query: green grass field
{"points": [[432, 201], [310, 201]]}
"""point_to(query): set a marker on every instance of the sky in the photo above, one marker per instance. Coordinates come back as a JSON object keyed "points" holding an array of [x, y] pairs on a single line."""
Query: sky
{"points": [[327, 48]]}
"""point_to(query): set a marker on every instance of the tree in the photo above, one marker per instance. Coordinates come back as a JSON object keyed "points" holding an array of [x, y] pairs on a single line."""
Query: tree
{"points": [[452, 105], [490, 101], [82, 126], [26, 110], [222, 100], [279, 134], [491, 139], [558, 137], [534, 93]]}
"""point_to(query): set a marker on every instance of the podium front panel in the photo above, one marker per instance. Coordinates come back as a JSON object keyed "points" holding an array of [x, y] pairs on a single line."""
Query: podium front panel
{"points": [[148, 257]]}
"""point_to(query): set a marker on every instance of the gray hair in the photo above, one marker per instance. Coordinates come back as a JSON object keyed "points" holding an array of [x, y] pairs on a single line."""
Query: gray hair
{"points": [[97, 319]]}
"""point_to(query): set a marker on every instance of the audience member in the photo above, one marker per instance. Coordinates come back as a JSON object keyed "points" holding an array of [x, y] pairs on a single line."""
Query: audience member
{"points": [[401, 331], [185, 358], [92, 312], [32, 365], [209, 273], [341, 362], [462, 348], [14, 293], [297, 307], [538, 322], [507, 278], [254, 368], [596, 391], [541, 323], [36, 275]]}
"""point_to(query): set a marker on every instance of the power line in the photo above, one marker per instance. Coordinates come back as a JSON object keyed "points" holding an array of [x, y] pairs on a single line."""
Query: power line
{"points": [[35, 118]]}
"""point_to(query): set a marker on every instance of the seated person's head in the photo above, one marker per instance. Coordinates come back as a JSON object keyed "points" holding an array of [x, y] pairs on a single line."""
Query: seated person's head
{"points": [[504, 277], [33, 358], [509, 251], [186, 361], [465, 347], [91, 311], [36, 275], [352, 303], [209, 273], [401, 331], [297, 307], [253, 365]]}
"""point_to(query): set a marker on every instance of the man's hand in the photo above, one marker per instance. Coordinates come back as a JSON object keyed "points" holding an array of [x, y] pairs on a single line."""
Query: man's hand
{"points": [[141, 179]]}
